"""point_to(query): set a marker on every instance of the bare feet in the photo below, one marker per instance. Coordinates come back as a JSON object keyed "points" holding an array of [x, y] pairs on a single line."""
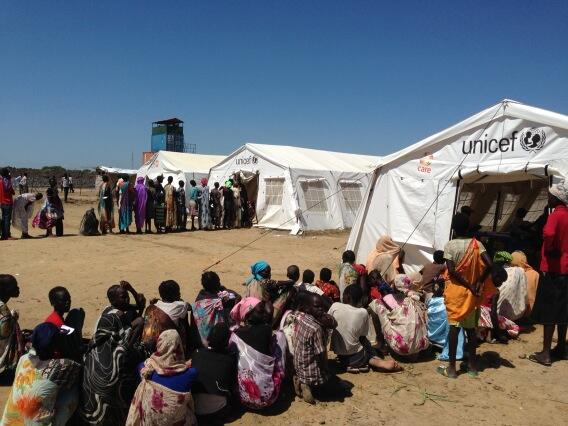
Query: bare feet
{"points": [[384, 365], [307, 394]]}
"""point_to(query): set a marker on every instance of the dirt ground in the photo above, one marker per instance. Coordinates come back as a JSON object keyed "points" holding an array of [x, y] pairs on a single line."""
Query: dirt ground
{"points": [[510, 390]]}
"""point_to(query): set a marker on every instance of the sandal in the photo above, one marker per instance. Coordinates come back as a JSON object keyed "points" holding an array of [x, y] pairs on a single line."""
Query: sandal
{"points": [[534, 358], [443, 370], [353, 370], [364, 369]]}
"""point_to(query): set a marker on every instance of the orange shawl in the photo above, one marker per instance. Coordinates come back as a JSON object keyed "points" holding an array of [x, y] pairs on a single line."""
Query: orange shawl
{"points": [[460, 301], [384, 258]]}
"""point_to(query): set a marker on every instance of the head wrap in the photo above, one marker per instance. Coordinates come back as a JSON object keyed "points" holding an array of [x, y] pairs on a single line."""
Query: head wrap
{"points": [[256, 270], [140, 180], [43, 335], [241, 309], [229, 184], [502, 257], [169, 358], [204, 181], [560, 191], [384, 258]]}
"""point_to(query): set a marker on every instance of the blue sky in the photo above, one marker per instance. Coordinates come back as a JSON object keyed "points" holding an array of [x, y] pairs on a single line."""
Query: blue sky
{"points": [[82, 81]]}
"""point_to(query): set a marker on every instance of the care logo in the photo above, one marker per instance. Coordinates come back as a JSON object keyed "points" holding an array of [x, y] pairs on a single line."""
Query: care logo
{"points": [[425, 163], [533, 139]]}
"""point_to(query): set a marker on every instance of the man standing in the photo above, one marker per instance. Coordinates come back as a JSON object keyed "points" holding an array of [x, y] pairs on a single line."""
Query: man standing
{"points": [[551, 305], [6, 202], [23, 184], [65, 185]]}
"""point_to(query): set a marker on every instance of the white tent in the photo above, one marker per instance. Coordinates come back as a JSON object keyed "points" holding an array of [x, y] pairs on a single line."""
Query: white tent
{"points": [[495, 162], [297, 188], [180, 165]]}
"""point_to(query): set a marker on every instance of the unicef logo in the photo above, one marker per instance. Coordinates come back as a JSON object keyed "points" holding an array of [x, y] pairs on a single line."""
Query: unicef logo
{"points": [[533, 139]]}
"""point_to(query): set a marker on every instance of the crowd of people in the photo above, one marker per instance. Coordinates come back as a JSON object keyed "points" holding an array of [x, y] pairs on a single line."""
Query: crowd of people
{"points": [[147, 201], [173, 362], [170, 207]]}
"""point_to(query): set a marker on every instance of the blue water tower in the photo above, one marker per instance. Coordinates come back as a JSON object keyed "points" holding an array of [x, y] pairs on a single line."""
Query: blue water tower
{"points": [[167, 135]]}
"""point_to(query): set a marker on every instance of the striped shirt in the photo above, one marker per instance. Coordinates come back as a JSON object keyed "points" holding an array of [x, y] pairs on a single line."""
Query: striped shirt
{"points": [[309, 343]]}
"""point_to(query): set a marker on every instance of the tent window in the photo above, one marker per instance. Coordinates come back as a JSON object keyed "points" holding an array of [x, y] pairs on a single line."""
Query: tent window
{"points": [[274, 191], [351, 192], [537, 207], [466, 199], [314, 196]]}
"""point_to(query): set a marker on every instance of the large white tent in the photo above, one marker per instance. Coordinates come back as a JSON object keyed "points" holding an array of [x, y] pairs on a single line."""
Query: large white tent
{"points": [[496, 161], [299, 189], [180, 165]]}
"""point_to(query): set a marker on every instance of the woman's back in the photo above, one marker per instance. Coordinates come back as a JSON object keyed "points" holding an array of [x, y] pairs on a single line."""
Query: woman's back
{"points": [[257, 336]]}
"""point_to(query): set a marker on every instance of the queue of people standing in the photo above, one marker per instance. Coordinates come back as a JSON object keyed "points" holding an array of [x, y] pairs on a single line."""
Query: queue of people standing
{"points": [[169, 207]]}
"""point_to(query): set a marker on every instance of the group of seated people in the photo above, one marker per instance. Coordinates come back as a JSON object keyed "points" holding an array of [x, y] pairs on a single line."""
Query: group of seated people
{"points": [[173, 362]]}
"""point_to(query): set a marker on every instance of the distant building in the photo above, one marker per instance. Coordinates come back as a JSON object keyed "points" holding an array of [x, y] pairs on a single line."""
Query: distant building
{"points": [[167, 135]]}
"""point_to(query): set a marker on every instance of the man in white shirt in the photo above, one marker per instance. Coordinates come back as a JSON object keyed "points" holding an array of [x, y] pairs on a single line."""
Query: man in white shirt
{"points": [[349, 341], [307, 284]]}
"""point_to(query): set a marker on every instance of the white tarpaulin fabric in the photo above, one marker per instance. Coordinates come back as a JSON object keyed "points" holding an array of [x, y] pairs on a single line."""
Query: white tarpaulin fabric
{"points": [[301, 189], [414, 191], [182, 166], [116, 170]]}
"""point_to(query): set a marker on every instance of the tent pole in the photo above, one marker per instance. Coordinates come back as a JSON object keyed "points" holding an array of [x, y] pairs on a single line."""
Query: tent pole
{"points": [[497, 212], [456, 199]]}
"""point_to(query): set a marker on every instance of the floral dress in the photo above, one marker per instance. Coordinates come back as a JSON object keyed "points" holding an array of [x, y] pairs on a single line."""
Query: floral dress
{"points": [[43, 392]]}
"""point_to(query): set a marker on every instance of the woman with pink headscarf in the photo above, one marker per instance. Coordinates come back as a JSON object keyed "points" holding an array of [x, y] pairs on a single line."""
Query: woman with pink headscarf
{"points": [[205, 207], [261, 360], [141, 196]]}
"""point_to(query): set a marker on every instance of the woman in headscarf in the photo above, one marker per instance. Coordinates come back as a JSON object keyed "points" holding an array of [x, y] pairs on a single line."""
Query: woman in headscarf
{"points": [[492, 326], [261, 359], [260, 285], [169, 192], [44, 390], [212, 305], [163, 397], [520, 259], [385, 258], [140, 203], [51, 214], [403, 317], [204, 206], [124, 205], [513, 295], [109, 378], [466, 287], [106, 206]]}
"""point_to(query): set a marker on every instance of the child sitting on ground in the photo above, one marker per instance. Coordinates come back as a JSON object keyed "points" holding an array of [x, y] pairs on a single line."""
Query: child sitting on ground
{"points": [[327, 286], [308, 283], [68, 343]]}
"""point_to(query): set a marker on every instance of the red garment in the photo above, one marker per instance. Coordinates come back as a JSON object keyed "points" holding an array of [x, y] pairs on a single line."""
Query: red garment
{"points": [[361, 270], [55, 319], [555, 242], [375, 293], [6, 193], [329, 290]]}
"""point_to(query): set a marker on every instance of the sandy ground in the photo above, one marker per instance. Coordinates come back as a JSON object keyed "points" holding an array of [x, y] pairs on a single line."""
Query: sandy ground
{"points": [[510, 391]]}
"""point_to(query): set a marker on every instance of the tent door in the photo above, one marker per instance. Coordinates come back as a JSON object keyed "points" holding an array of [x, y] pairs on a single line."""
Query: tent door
{"points": [[250, 182]]}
